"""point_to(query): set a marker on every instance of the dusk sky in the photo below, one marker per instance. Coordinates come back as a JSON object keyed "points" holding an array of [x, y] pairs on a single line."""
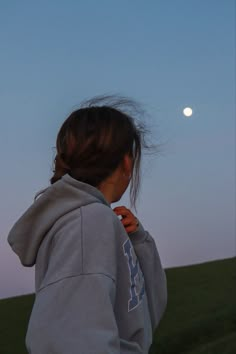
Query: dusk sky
{"points": [[167, 55]]}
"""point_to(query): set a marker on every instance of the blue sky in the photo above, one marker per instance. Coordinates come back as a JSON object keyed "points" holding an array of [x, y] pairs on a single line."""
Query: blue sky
{"points": [[166, 55]]}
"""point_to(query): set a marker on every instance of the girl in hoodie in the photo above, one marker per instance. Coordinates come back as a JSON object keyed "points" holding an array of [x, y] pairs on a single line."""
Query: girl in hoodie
{"points": [[100, 285]]}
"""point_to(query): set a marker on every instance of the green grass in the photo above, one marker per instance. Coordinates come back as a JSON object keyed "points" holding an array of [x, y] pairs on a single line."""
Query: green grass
{"points": [[201, 312], [14, 316], [200, 316]]}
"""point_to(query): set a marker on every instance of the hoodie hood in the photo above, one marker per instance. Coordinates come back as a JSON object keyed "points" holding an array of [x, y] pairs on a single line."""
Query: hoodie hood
{"points": [[62, 197]]}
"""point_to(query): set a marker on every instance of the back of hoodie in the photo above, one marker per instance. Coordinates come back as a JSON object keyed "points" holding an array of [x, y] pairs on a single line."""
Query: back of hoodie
{"points": [[98, 289]]}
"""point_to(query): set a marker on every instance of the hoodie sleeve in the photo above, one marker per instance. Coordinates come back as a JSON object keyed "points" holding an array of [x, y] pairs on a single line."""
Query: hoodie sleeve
{"points": [[154, 274], [79, 317]]}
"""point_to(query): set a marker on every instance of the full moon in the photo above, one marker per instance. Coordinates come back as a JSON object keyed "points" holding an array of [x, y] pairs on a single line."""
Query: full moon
{"points": [[187, 112]]}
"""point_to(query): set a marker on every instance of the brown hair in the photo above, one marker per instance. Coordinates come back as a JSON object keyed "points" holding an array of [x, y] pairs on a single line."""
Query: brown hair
{"points": [[93, 140]]}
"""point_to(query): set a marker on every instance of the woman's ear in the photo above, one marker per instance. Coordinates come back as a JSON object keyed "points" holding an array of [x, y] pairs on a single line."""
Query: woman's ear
{"points": [[127, 164]]}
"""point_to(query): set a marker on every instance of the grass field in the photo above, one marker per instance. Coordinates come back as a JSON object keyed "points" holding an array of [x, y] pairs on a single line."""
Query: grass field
{"points": [[200, 317]]}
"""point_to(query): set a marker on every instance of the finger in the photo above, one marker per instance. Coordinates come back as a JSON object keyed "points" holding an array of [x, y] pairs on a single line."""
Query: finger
{"points": [[121, 206], [119, 214], [121, 209], [127, 221], [122, 212]]}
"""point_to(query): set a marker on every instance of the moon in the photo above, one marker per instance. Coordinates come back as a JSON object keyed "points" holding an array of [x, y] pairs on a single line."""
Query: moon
{"points": [[187, 111]]}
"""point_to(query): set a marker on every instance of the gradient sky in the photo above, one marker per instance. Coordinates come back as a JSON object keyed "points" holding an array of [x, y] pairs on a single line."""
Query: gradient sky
{"points": [[166, 55]]}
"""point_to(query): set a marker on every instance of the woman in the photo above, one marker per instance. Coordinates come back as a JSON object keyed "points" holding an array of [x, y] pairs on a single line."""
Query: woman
{"points": [[100, 285]]}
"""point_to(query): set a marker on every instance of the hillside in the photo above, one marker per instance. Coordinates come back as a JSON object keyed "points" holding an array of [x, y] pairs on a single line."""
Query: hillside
{"points": [[200, 318]]}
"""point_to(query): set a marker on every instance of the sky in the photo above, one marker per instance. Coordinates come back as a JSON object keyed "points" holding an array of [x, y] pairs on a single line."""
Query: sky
{"points": [[166, 55]]}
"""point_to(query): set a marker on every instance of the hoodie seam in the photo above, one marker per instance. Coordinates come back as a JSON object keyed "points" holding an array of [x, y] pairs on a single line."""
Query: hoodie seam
{"points": [[75, 276]]}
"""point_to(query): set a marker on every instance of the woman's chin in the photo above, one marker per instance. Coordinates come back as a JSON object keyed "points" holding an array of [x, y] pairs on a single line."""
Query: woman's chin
{"points": [[116, 200]]}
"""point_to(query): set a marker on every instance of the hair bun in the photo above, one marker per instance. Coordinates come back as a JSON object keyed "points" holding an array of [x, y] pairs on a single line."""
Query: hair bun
{"points": [[60, 163]]}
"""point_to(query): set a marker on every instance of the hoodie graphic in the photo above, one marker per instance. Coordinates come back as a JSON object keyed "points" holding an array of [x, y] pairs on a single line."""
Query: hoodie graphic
{"points": [[98, 289]]}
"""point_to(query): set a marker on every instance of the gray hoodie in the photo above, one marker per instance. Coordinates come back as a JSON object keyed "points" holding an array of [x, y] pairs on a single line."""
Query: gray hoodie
{"points": [[99, 290]]}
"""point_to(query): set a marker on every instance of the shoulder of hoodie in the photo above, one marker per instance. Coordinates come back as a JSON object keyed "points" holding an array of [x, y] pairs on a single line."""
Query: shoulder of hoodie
{"points": [[93, 220], [100, 215]]}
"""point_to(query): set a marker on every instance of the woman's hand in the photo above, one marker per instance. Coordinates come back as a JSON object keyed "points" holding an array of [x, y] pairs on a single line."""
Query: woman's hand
{"points": [[129, 221]]}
